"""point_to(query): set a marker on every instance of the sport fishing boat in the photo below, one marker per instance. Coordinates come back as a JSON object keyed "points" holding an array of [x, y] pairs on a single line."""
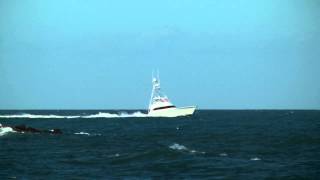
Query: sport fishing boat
{"points": [[160, 105]]}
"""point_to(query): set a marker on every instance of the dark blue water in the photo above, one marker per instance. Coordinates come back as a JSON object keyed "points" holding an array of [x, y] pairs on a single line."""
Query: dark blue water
{"points": [[209, 145]]}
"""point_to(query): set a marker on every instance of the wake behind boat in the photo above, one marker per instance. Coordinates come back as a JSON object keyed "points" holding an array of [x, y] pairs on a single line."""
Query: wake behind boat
{"points": [[160, 105]]}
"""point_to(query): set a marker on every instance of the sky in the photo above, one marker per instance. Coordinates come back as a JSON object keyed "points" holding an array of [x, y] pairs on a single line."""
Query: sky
{"points": [[216, 54]]}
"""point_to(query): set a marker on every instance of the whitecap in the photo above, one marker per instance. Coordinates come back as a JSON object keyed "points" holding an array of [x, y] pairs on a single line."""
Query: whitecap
{"points": [[180, 147], [5, 130], [83, 133], [255, 159], [197, 152], [177, 146], [114, 155]]}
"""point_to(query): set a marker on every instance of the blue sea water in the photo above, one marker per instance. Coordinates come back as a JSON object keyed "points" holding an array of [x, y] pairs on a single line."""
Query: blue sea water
{"points": [[212, 144]]}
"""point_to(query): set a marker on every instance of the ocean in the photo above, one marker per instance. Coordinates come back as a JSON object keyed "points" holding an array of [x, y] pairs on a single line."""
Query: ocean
{"points": [[212, 144]]}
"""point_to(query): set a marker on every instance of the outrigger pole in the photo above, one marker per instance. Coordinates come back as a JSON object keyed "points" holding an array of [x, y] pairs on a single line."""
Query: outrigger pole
{"points": [[151, 93]]}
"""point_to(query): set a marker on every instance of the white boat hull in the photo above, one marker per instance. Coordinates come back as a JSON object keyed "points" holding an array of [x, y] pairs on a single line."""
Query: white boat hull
{"points": [[173, 112]]}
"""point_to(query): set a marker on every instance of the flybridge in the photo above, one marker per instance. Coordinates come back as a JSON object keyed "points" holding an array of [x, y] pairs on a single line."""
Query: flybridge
{"points": [[160, 105]]}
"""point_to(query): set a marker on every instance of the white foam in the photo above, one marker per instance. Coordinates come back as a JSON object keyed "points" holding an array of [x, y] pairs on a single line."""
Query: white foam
{"points": [[176, 146], [223, 154], [179, 147], [114, 155], [5, 130], [255, 159], [99, 115], [112, 115], [83, 133]]}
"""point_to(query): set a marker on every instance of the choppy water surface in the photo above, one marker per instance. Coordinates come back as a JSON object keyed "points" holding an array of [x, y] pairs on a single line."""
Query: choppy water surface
{"points": [[126, 144]]}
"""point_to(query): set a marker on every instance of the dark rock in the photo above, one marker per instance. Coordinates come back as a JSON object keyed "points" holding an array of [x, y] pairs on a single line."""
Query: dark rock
{"points": [[24, 128]]}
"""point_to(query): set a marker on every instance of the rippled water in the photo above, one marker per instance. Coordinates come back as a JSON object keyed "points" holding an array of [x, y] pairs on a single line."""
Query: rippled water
{"points": [[209, 145]]}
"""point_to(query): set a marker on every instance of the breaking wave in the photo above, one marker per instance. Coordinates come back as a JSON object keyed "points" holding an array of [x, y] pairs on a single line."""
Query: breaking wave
{"points": [[5, 130], [176, 146], [87, 134], [83, 133], [179, 147], [99, 115]]}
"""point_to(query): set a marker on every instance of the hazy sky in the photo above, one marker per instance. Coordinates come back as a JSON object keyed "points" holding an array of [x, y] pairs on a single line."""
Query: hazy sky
{"points": [[220, 54]]}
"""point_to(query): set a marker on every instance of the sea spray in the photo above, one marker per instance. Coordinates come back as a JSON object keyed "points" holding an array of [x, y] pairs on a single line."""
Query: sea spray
{"points": [[5, 130]]}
